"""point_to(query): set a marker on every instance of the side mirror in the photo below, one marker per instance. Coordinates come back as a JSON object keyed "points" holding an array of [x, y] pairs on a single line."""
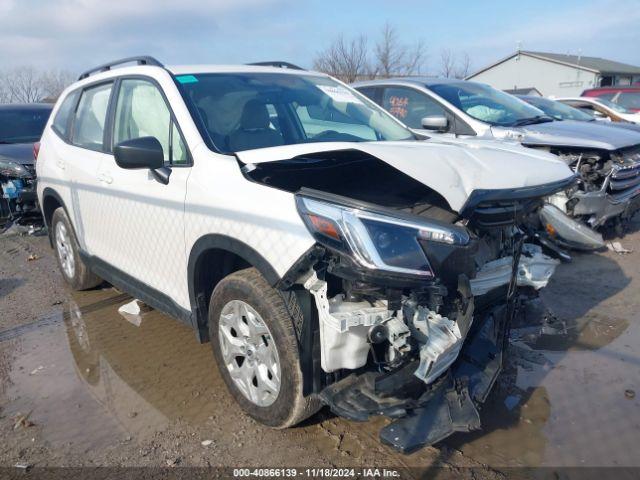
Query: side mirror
{"points": [[143, 152], [435, 122]]}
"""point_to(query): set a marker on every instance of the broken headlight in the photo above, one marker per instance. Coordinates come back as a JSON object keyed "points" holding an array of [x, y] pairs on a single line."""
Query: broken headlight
{"points": [[377, 241], [13, 169]]}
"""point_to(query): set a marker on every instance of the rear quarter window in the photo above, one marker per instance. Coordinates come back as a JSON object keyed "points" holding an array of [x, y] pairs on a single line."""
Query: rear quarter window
{"points": [[62, 121]]}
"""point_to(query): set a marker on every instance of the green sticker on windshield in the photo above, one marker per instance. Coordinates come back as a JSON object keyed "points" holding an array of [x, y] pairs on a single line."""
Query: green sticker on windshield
{"points": [[187, 79]]}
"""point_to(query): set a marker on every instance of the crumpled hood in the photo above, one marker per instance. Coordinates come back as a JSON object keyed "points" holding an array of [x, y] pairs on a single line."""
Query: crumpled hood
{"points": [[568, 133], [452, 170], [17, 152]]}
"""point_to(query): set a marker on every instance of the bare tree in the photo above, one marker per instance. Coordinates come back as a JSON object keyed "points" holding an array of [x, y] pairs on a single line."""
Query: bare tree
{"points": [[454, 66], [28, 84], [24, 85], [464, 66], [394, 58], [5, 97], [447, 63], [346, 60], [55, 81]]}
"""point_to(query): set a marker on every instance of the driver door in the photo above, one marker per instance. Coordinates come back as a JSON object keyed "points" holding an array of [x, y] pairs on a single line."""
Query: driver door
{"points": [[141, 218]]}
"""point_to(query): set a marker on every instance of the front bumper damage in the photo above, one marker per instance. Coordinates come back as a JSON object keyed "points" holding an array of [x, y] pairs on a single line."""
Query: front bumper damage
{"points": [[534, 270], [617, 196], [439, 390], [426, 414], [423, 349], [18, 199]]}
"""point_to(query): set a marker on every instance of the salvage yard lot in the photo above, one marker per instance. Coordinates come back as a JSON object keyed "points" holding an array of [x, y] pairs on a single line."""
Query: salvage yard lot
{"points": [[81, 385]]}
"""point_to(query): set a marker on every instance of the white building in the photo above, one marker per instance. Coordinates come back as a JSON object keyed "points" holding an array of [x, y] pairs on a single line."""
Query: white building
{"points": [[555, 74]]}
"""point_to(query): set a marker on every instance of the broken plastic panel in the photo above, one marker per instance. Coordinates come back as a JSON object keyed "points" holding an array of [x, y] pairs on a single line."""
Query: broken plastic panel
{"points": [[534, 270]]}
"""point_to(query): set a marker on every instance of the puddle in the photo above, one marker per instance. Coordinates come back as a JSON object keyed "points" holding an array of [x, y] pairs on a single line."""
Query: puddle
{"points": [[93, 377], [561, 399]]}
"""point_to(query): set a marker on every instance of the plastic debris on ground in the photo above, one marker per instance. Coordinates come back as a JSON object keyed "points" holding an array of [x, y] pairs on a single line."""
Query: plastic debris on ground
{"points": [[132, 311], [22, 421], [618, 248]]}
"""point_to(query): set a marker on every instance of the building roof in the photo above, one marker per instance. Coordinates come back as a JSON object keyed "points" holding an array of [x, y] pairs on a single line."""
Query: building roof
{"points": [[592, 64], [524, 91]]}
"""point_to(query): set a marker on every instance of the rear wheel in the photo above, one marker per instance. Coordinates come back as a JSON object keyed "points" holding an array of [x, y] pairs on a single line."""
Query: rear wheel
{"points": [[255, 347], [75, 272]]}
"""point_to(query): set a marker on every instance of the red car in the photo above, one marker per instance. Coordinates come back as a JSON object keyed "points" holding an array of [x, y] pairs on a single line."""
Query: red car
{"points": [[628, 97]]}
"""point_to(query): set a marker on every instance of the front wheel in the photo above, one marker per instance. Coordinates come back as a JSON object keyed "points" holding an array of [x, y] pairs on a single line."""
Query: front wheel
{"points": [[255, 348]]}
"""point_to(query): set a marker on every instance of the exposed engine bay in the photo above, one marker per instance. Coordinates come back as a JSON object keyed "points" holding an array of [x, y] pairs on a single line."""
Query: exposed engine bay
{"points": [[403, 286], [608, 190], [18, 200]]}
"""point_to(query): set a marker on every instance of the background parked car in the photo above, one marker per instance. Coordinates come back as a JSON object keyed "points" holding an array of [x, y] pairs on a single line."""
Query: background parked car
{"points": [[602, 108], [627, 97], [563, 111], [456, 108], [21, 125]]}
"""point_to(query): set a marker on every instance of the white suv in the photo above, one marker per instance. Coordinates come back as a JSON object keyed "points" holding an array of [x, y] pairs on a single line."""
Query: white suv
{"points": [[329, 257]]}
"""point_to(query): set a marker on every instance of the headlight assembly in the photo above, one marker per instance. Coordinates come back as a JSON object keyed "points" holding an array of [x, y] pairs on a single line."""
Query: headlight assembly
{"points": [[375, 240]]}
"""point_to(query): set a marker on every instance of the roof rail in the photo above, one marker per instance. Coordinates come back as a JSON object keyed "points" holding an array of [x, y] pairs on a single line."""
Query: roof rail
{"points": [[278, 64], [140, 60]]}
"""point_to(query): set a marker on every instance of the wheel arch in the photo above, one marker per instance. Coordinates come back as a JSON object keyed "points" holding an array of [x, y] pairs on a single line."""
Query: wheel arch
{"points": [[213, 257], [51, 201]]}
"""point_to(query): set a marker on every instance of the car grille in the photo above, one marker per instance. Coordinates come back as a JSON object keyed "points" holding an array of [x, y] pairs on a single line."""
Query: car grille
{"points": [[624, 181], [501, 214]]}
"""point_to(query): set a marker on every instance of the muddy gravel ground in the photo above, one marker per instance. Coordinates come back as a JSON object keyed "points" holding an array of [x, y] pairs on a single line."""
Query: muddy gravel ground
{"points": [[83, 386]]}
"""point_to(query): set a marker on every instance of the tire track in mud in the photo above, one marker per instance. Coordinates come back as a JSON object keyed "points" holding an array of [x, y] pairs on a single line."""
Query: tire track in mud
{"points": [[56, 318]]}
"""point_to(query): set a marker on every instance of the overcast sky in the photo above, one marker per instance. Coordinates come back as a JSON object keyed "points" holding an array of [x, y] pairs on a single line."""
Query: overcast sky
{"points": [[77, 34]]}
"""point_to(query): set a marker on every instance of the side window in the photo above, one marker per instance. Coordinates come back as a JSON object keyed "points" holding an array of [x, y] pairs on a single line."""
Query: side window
{"points": [[410, 106], [178, 148], [141, 111], [62, 121], [91, 115], [581, 105], [372, 93]]}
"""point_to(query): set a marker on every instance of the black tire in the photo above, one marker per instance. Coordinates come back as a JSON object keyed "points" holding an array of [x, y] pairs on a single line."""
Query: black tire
{"points": [[83, 278], [290, 406]]}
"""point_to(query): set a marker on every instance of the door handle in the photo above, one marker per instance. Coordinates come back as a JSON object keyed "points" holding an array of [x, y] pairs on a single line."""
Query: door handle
{"points": [[105, 177]]}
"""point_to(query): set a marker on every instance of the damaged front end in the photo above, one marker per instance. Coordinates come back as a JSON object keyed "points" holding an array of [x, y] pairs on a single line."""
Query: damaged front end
{"points": [[18, 199], [412, 313], [608, 190]]}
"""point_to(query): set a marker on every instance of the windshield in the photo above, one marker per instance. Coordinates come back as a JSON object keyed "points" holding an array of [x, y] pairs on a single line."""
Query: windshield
{"points": [[244, 111], [613, 106], [489, 105], [558, 110], [22, 125]]}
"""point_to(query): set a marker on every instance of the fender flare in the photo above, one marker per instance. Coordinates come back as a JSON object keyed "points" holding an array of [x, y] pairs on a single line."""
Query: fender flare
{"points": [[214, 241], [49, 192]]}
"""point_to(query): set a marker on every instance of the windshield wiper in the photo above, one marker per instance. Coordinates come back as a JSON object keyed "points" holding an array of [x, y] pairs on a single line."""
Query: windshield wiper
{"points": [[533, 120]]}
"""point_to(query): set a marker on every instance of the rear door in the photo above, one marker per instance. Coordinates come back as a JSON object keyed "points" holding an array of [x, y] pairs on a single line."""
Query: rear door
{"points": [[142, 220], [81, 162]]}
